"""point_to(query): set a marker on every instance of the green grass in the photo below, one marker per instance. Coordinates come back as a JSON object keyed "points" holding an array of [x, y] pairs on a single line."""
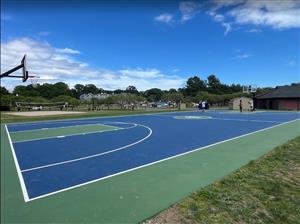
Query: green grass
{"points": [[7, 118], [61, 131], [266, 190]]}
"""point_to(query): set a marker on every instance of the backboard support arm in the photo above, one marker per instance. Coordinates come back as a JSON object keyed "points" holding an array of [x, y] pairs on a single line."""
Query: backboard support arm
{"points": [[5, 74]]}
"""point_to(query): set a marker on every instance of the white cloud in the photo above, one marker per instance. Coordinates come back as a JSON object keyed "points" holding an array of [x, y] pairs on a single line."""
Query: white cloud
{"points": [[164, 18], [226, 3], [254, 31], [219, 18], [227, 28], [52, 65], [276, 14], [142, 73], [68, 51], [188, 10]]}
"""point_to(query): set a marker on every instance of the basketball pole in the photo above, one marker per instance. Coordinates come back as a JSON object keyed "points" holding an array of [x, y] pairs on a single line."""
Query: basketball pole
{"points": [[254, 102]]}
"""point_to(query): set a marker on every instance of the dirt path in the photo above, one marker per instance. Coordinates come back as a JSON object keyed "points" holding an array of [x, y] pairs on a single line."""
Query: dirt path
{"points": [[43, 113]]}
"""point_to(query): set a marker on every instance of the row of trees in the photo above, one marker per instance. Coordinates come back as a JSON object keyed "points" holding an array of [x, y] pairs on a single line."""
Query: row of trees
{"points": [[195, 90], [193, 85]]}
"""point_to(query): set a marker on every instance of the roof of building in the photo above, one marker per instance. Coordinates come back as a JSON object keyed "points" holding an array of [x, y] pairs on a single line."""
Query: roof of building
{"points": [[282, 92]]}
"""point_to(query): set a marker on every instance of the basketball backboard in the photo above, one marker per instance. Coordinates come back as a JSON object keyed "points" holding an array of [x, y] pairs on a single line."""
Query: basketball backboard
{"points": [[24, 68], [250, 88]]}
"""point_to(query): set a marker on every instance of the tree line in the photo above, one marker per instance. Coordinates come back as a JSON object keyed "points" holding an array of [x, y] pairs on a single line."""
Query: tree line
{"points": [[195, 90]]}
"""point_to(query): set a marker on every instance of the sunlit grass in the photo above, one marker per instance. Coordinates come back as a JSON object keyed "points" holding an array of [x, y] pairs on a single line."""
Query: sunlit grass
{"points": [[266, 190]]}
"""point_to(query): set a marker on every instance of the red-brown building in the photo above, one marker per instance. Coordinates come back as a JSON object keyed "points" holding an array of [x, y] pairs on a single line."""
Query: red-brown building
{"points": [[281, 98]]}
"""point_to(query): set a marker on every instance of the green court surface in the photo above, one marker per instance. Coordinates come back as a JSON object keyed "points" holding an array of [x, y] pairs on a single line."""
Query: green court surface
{"points": [[60, 131], [134, 196]]}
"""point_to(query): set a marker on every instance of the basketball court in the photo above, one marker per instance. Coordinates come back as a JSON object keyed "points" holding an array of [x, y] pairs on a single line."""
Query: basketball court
{"points": [[55, 158]]}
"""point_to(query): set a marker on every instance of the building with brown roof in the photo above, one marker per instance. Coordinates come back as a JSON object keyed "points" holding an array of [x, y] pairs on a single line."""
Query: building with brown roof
{"points": [[280, 98]]}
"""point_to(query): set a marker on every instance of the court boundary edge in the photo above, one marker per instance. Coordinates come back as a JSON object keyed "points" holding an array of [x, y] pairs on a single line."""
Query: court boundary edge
{"points": [[21, 179], [159, 161]]}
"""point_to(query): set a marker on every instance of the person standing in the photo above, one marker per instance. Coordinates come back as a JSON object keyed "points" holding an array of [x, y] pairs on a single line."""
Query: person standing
{"points": [[252, 106], [203, 105], [206, 105], [241, 106], [199, 105]]}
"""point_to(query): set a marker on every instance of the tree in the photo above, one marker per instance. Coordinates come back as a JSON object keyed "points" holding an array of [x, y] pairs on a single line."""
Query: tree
{"points": [[125, 99], [45, 90], [107, 101], [32, 99], [25, 91], [95, 102], [132, 90], [6, 102], [236, 88], [173, 97], [3, 91], [213, 82], [90, 88], [60, 88], [120, 99], [153, 94], [65, 98], [203, 95], [79, 90], [194, 85], [118, 91], [172, 90]]}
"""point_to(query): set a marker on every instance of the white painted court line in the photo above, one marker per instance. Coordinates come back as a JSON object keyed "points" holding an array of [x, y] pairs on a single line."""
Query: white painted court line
{"points": [[22, 183], [246, 120], [149, 164], [85, 133], [129, 115], [69, 126], [242, 113], [225, 119], [92, 118], [95, 155]]}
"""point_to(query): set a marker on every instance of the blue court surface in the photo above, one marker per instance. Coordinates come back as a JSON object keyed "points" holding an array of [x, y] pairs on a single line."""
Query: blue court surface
{"points": [[53, 164]]}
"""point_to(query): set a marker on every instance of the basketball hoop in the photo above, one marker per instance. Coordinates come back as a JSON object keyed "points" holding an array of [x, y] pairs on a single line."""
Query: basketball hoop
{"points": [[34, 80], [249, 88], [246, 89]]}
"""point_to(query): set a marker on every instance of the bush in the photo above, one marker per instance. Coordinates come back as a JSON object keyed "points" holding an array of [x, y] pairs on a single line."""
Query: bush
{"points": [[64, 98]]}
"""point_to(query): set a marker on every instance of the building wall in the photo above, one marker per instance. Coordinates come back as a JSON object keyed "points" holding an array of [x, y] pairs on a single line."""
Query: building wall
{"points": [[288, 104], [279, 104], [246, 103], [261, 104]]}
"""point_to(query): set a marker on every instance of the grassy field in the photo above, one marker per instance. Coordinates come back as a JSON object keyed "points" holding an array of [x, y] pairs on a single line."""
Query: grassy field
{"points": [[266, 190], [7, 118]]}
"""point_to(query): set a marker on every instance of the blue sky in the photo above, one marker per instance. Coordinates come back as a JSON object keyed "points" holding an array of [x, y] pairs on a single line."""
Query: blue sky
{"points": [[148, 45]]}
